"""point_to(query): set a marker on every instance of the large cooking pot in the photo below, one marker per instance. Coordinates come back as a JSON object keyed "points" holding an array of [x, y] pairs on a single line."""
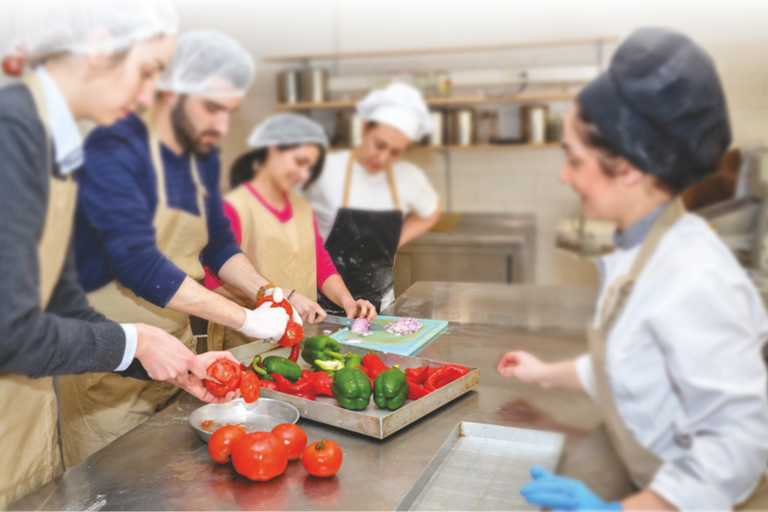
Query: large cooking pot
{"points": [[314, 85], [533, 123], [462, 127], [289, 87]]}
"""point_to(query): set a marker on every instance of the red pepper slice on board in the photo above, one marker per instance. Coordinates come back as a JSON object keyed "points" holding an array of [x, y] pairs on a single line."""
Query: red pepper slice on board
{"points": [[416, 375]]}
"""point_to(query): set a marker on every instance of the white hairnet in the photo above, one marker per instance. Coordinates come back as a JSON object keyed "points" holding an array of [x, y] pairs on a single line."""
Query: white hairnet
{"points": [[91, 26], [400, 106], [208, 63], [285, 130]]}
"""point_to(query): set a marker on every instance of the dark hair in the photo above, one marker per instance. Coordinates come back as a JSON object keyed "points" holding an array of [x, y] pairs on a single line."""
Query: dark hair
{"points": [[244, 168]]}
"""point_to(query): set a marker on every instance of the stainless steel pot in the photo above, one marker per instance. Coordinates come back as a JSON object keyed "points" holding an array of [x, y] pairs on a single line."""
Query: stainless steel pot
{"points": [[533, 123], [462, 127], [289, 87], [436, 138], [314, 85], [348, 128]]}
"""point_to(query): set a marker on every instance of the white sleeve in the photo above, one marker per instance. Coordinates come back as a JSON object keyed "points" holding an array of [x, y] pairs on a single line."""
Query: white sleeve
{"points": [[586, 373], [421, 197], [713, 348], [131, 341]]}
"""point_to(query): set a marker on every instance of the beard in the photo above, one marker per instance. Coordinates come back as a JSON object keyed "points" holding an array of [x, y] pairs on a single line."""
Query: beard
{"points": [[185, 131]]}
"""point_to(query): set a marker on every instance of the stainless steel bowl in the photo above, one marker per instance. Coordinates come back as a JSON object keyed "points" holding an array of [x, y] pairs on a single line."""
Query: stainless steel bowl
{"points": [[262, 415]]}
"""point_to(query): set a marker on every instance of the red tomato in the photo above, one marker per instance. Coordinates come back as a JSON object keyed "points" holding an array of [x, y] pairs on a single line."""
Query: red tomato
{"points": [[322, 458], [13, 65], [260, 456], [226, 372], [250, 389], [294, 438], [221, 442], [284, 304], [294, 333]]}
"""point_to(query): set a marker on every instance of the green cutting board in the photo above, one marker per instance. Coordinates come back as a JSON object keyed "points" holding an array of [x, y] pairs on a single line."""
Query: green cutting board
{"points": [[393, 343]]}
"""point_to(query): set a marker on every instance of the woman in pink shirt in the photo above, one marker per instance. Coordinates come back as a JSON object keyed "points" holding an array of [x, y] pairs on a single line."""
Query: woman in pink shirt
{"points": [[275, 226]]}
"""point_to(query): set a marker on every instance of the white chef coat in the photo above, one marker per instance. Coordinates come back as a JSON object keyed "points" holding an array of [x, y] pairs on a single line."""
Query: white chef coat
{"points": [[685, 366], [368, 191]]}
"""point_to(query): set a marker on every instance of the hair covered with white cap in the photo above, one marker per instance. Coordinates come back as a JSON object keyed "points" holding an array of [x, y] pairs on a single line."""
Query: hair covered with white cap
{"points": [[91, 27], [287, 130], [208, 63], [400, 106]]}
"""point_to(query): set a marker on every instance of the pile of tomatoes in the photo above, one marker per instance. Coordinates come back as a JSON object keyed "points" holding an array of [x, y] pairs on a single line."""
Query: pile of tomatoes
{"points": [[262, 456]]}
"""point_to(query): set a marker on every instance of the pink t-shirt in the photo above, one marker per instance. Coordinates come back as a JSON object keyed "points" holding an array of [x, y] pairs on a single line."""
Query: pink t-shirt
{"points": [[325, 267]]}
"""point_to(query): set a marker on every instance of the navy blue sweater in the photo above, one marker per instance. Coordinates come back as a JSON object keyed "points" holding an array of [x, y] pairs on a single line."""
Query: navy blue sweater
{"points": [[114, 236]]}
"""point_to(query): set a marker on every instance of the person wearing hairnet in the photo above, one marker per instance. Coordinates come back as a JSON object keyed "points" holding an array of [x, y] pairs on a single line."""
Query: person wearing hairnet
{"points": [[675, 361], [369, 202], [149, 211], [47, 326], [275, 226]]}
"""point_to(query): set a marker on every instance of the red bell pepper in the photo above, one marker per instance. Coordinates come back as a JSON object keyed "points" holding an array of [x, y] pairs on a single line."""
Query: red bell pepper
{"points": [[367, 373], [374, 364], [444, 375], [323, 382], [268, 384], [415, 391], [304, 387], [295, 351], [416, 375]]}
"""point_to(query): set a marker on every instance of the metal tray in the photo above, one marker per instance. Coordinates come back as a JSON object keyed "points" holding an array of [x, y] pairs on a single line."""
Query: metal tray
{"points": [[374, 422], [264, 414], [483, 467]]}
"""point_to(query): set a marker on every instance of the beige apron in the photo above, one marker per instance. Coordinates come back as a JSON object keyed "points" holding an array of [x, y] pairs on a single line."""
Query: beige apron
{"points": [[28, 437], [640, 463], [98, 408], [285, 253]]}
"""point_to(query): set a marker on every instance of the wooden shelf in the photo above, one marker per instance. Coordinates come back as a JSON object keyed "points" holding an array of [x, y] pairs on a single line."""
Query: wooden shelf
{"points": [[478, 147], [449, 49], [438, 102]]}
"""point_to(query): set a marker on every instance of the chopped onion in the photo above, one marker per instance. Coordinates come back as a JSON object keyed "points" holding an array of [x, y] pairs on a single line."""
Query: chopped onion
{"points": [[360, 326], [404, 326]]}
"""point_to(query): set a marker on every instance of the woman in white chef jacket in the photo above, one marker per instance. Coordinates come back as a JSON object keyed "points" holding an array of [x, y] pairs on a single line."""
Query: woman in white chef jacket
{"points": [[675, 359], [369, 202]]}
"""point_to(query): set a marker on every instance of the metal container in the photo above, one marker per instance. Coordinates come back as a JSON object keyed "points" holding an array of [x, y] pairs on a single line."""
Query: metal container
{"points": [[483, 467], [314, 85], [437, 137], [348, 129], [533, 123], [462, 128], [373, 422], [264, 414], [289, 87]]}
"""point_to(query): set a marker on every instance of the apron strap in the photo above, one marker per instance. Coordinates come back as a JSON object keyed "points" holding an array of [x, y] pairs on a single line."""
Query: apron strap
{"points": [[348, 182]]}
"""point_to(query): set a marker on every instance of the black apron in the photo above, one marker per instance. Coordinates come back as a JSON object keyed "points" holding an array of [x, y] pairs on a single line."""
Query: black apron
{"points": [[363, 244]]}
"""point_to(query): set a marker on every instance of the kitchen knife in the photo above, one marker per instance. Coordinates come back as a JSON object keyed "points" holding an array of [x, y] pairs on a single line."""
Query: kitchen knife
{"points": [[347, 322]]}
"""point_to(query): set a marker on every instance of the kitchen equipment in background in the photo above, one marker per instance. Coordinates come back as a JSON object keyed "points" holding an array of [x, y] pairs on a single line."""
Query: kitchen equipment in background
{"points": [[462, 128], [555, 128], [289, 87], [487, 126], [314, 85], [348, 129], [436, 138], [425, 83], [533, 123], [443, 83]]}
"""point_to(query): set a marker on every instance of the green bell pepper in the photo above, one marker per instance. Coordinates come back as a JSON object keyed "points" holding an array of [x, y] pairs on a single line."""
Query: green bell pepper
{"points": [[332, 365], [352, 389], [323, 348], [282, 366], [353, 360], [390, 389]]}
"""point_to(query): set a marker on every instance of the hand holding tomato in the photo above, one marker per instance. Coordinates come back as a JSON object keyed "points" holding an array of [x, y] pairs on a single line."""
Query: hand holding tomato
{"points": [[250, 387], [222, 441], [227, 373], [322, 458]]}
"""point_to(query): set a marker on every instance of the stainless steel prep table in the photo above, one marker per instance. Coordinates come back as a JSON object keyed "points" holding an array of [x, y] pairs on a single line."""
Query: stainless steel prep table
{"points": [[162, 465]]}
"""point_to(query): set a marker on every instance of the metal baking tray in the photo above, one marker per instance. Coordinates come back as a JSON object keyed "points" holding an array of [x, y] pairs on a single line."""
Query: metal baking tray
{"points": [[264, 414], [374, 422], [483, 467]]}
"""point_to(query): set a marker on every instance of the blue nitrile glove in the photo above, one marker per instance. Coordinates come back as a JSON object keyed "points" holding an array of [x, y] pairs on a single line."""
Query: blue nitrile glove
{"points": [[560, 493]]}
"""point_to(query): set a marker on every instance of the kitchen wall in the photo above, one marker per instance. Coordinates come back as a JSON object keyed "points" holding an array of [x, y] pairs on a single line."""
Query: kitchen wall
{"points": [[498, 180]]}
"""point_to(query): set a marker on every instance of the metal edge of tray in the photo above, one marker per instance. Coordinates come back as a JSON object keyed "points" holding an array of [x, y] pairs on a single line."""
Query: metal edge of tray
{"points": [[374, 425], [466, 429]]}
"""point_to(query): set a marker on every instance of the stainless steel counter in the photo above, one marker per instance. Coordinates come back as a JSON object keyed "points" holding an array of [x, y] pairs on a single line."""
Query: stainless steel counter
{"points": [[162, 465]]}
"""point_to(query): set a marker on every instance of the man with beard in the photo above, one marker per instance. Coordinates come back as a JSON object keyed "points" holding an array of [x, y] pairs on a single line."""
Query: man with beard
{"points": [[149, 216]]}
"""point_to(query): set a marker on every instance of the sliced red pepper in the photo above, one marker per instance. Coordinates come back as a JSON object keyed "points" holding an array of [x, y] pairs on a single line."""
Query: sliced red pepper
{"points": [[444, 375], [268, 384], [374, 364], [323, 382], [416, 375], [415, 391], [304, 387], [295, 351]]}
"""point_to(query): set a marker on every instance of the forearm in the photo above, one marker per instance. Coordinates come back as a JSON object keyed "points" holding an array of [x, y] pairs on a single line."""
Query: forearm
{"points": [[335, 289], [560, 374], [646, 500], [239, 273], [194, 299], [415, 226]]}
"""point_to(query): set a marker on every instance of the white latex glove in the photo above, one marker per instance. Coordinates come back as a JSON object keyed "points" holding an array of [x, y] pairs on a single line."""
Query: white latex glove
{"points": [[278, 295], [265, 322]]}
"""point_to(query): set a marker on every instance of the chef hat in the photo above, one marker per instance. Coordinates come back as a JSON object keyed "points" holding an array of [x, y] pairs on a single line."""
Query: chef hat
{"points": [[208, 63], [661, 105], [91, 26], [286, 130], [400, 106]]}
